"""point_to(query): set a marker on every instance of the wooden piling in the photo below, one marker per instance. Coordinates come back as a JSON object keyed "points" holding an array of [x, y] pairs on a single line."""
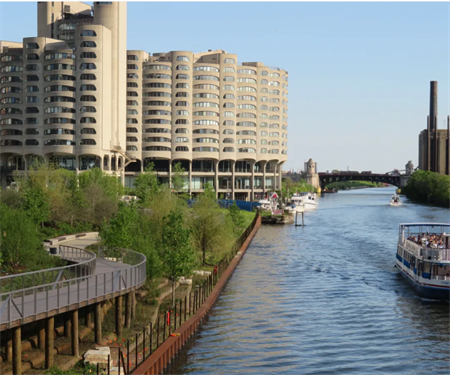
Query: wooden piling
{"points": [[17, 350], [49, 341], [128, 303], [119, 316], [88, 317], [133, 304], [41, 334], [67, 324], [9, 347], [98, 322], [75, 339]]}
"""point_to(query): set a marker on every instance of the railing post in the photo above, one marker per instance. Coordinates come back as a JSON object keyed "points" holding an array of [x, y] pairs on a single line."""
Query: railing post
{"points": [[151, 337]]}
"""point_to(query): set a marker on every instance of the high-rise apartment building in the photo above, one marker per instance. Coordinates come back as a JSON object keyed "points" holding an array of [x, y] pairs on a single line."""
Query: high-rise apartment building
{"points": [[76, 97]]}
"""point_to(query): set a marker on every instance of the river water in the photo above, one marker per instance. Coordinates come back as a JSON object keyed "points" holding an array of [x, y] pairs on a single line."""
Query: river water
{"points": [[326, 299]]}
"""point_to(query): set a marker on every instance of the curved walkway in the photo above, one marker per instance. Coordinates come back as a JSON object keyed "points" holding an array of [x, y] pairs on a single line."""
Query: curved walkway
{"points": [[89, 278]]}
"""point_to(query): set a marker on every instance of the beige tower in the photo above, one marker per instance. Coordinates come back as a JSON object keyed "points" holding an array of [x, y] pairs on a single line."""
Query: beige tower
{"points": [[312, 178], [113, 15]]}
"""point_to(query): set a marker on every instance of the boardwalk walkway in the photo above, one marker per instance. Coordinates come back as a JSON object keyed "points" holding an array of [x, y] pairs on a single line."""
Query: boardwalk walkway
{"points": [[95, 278]]}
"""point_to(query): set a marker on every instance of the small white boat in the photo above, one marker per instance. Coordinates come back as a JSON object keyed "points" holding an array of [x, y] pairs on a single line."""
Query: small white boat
{"points": [[305, 201], [296, 205], [266, 205], [395, 200]]}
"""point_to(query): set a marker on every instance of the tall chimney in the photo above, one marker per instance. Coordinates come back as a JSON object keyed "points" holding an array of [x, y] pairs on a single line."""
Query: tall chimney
{"points": [[433, 105]]}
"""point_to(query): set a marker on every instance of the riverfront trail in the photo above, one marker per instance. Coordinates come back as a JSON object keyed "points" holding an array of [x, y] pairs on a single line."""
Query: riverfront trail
{"points": [[326, 299]]}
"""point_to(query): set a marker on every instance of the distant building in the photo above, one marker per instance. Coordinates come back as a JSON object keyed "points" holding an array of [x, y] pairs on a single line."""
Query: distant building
{"points": [[76, 97], [434, 143]]}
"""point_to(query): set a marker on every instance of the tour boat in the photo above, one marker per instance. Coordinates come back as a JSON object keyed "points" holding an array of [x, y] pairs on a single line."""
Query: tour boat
{"points": [[395, 200], [307, 200], [423, 258]]}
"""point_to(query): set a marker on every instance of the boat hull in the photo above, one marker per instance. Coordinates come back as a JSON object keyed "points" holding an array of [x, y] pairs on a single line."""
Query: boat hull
{"points": [[423, 290], [395, 204]]}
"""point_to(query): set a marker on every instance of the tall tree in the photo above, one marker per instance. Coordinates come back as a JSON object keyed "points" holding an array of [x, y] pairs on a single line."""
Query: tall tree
{"points": [[176, 253], [147, 186], [178, 178]]}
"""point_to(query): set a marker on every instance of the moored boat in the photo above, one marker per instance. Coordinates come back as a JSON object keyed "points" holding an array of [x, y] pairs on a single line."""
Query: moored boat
{"points": [[307, 200], [423, 258]]}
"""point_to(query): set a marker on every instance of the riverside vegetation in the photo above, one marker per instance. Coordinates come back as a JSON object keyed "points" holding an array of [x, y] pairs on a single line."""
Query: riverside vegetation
{"points": [[428, 187], [49, 202]]}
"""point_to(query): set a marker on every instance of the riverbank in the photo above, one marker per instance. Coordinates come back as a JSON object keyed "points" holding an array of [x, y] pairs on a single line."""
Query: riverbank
{"points": [[428, 187]]}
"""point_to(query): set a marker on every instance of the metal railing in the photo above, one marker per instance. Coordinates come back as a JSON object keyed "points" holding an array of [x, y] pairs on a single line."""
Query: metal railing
{"points": [[68, 286]]}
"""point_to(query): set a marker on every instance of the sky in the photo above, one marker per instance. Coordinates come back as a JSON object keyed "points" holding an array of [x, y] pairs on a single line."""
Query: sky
{"points": [[359, 73]]}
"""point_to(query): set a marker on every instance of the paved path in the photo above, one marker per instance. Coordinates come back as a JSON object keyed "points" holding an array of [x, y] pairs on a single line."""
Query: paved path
{"points": [[109, 278]]}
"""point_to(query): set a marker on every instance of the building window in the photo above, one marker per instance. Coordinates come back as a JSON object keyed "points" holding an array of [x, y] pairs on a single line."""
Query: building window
{"points": [[206, 140], [132, 57], [246, 71], [246, 132], [32, 46], [60, 67], [31, 142], [228, 140], [205, 149], [206, 131], [88, 109], [59, 110], [206, 122], [181, 131], [157, 139], [132, 139], [206, 78], [88, 98], [206, 113], [181, 113], [247, 97], [132, 112], [88, 33], [32, 56], [228, 69], [229, 79], [56, 88], [182, 122], [132, 66], [157, 67], [228, 149], [88, 131], [132, 121], [247, 80], [229, 61], [228, 131], [246, 123], [132, 76], [228, 123], [247, 149], [182, 67], [88, 120], [181, 140], [88, 55], [247, 106], [88, 76], [157, 130], [160, 85], [247, 88], [156, 148], [132, 130], [88, 88], [205, 69], [182, 76], [10, 69], [206, 87], [132, 148], [182, 58], [206, 104], [182, 86], [59, 142], [88, 142], [157, 121], [132, 102], [132, 84], [88, 44], [59, 131], [88, 66], [181, 149]]}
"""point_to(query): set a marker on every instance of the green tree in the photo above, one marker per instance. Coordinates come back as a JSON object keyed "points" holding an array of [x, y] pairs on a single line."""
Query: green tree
{"points": [[212, 230], [237, 218], [178, 178], [147, 186], [36, 204], [121, 230], [176, 253]]}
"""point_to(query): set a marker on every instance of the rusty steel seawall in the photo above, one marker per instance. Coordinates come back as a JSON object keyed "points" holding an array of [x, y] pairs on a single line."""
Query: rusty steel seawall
{"points": [[162, 357]]}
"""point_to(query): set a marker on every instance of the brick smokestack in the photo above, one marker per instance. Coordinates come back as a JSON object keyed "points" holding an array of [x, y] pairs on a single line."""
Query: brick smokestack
{"points": [[433, 105]]}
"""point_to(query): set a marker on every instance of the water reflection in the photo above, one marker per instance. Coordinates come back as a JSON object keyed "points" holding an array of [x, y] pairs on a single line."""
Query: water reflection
{"points": [[325, 299]]}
